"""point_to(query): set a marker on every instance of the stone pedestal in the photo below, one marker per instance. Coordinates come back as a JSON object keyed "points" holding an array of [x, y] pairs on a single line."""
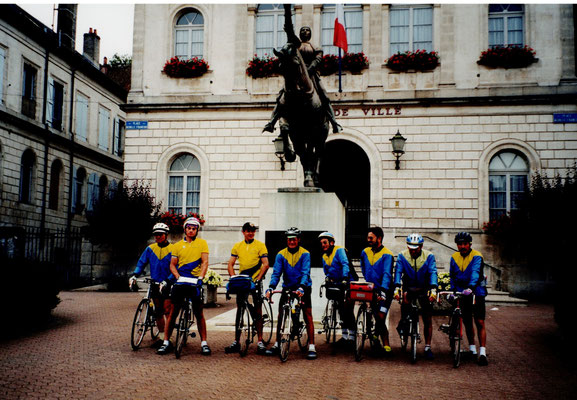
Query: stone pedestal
{"points": [[309, 209]]}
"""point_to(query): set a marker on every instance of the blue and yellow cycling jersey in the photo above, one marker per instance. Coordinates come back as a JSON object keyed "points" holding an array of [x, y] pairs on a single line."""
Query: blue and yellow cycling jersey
{"points": [[419, 273], [467, 272], [158, 257], [336, 265], [295, 269], [249, 256], [189, 256], [378, 267]]}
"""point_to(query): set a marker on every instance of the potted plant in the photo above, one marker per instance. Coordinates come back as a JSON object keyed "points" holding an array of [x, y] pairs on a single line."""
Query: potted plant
{"points": [[193, 68], [329, 65], [355, 62], [444, 284], [262, 67], [213, 281], [508, 57], [420, 60], [175, 220]]}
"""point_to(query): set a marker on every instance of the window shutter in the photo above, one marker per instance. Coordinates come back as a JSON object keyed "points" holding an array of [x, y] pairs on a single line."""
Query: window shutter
{"points": [[74, 190], [50, 103]]}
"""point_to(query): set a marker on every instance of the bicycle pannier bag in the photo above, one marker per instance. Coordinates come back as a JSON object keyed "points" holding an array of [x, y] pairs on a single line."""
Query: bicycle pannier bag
{"points": [[334, 292], [362, 291], [239, 284]]}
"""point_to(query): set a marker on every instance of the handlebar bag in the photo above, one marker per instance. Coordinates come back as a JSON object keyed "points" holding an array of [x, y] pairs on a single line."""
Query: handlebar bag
{"points": [[362, 291], [239, 284]]}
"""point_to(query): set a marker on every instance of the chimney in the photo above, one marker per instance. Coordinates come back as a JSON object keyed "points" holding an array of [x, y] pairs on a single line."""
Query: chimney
{"points": [[67, 25], [91, 48]]}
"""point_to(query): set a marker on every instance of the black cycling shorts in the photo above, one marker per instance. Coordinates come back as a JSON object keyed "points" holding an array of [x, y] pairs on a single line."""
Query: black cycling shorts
{"points": [[477, 309]]}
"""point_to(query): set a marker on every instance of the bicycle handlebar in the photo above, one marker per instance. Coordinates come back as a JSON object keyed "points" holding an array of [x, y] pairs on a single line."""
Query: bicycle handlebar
{"points": [[281, 291]]}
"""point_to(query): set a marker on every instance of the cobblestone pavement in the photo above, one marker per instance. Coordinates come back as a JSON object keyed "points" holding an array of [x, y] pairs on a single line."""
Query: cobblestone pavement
{"points": [[87, 354]]}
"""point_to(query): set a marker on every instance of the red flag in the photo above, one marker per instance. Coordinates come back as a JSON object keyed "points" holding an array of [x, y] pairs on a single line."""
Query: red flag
{"points": [[340, 35]]}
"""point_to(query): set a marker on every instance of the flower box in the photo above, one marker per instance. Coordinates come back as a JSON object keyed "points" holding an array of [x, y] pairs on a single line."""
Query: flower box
{"points": [[420, 60], [193, 68], [508, 57], [262, 67], [175, 221]]}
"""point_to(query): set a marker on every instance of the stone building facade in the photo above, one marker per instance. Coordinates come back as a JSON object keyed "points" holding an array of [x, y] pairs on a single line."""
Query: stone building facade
{"points": [[61, 136], [475, 134]]}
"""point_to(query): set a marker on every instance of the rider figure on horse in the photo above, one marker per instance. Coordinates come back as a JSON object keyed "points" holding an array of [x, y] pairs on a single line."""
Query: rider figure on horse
{"points": [[312, 58]]}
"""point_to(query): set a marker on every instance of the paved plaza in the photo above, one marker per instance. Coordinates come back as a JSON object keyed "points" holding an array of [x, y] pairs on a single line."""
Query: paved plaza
{"points": [[86, 354]]}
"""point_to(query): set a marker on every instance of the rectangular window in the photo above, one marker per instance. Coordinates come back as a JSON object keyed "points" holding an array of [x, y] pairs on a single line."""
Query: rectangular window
{"points": [[29, 91], [175, 184], [411, 29], [353, 26], [103, 128], [177, 192], [2, 64], [497, 196], [117, 147], [55, 104], [81, 117], [506, 25]]}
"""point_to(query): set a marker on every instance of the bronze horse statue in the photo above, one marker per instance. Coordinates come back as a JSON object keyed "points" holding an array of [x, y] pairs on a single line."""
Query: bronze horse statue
{"points": [[303, 117]]}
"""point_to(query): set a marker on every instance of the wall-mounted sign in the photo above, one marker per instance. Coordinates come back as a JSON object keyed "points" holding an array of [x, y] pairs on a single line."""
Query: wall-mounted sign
{"points": [[368, 111], [136, 124], [564, 118]]}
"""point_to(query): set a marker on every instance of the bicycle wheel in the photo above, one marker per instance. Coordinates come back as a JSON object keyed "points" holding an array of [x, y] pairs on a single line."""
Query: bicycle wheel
{"points": [[267, 322], [404, 323], [334, 321], [151, 322], [243, 327], [361, 334], [182, 328], [285, 337], [139, 325], [302, 334], [414, 336], [456, 337], [326, 321], [372, 333]]}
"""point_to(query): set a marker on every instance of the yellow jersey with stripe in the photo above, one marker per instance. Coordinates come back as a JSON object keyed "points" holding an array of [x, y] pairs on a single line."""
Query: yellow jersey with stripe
{"points": [[377, 267], [249, 257], [467, 272], [189, 256]]}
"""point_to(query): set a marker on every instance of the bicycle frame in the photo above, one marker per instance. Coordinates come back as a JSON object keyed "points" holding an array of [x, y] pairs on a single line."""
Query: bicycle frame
{"points": [[330, 320], [454, 329], [182, 327], [292, 325], [412, 322], [144, 318]]}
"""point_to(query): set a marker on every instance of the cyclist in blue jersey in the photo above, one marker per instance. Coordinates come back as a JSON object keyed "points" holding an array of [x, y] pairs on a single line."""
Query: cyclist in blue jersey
{"points": [[252, 257], [293, 264], [416, 271], [377, 267], [190, 260], [157, 256], [466, 271], [338, 272]]}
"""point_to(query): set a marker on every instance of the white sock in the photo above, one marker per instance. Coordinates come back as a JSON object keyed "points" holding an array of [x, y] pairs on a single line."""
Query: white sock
{"points": [[312, 347], [482, 351], [260, 343], [166, 342], [275, 344], [473, 348], [427, 347], [203, 343]]}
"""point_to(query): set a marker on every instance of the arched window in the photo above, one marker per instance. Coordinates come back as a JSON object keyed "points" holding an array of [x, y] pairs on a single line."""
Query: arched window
{"points": [[269, 32], [189, 35], [78, 190], [508, 182], [184, 185], [27, 165], [506, 25], [55, 184], [353, 25]]}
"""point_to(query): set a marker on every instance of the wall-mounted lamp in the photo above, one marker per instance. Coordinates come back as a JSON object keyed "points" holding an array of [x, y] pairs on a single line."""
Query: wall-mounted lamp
{"points": [[279, 150], [398, 142]]}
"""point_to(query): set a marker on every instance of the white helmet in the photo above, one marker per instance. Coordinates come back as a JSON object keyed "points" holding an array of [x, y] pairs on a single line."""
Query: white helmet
{"points": [[414, 240], [160, 228], [191, 221]]}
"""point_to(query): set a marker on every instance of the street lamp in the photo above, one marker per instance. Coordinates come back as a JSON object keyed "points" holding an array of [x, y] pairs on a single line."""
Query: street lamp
{"points": [[279, 150], [398, 142]]}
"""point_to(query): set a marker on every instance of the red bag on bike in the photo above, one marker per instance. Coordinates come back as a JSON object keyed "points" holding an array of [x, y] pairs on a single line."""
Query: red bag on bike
{"points": [[362, 291]]}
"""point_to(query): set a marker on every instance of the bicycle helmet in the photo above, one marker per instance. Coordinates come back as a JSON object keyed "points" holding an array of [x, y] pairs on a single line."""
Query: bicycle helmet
{"points": [[191, 221], [160, 228], [327, 235], [463, 237], [292, 232], [414, 240]]}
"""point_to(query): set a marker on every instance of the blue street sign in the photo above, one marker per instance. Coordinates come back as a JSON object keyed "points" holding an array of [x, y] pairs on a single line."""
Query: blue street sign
{"points": [[564, 118], [136, 124]]}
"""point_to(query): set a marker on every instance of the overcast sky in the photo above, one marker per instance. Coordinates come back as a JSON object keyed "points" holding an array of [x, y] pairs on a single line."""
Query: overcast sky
{"points": [[112, 21]]}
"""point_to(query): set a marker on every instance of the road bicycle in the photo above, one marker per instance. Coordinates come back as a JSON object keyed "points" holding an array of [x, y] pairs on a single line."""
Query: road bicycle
{"points": [[247, 318], [191, 290], [365, 324], [408, 329], [144, 317], [292, 325], [454, 329], [330, 319]]}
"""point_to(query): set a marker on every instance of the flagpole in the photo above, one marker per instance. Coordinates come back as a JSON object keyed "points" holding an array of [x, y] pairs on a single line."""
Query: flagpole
{"points": [[340, 71]]}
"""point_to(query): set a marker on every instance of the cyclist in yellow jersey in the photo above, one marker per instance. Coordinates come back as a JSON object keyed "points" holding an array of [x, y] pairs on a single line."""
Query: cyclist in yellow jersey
{"points": [[190, 260], [252, 257]]}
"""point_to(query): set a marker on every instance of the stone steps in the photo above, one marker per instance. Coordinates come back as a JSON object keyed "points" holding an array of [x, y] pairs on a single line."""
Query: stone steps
{"points": [[495, 297]]}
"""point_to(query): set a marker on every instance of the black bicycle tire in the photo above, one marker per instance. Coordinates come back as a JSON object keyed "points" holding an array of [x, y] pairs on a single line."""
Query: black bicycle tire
{"points": [[182, 330], [303, 336], [267, 322], [372, 332], [334, 321], [285, 337], [244, 325], [361, 335], [326, 321], [414, 336], [151, 321], [139, 325], [456, 333]]}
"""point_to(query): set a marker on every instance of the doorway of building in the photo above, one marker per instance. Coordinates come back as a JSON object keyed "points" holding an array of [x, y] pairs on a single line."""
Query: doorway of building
{"points": [[345, 170]]}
